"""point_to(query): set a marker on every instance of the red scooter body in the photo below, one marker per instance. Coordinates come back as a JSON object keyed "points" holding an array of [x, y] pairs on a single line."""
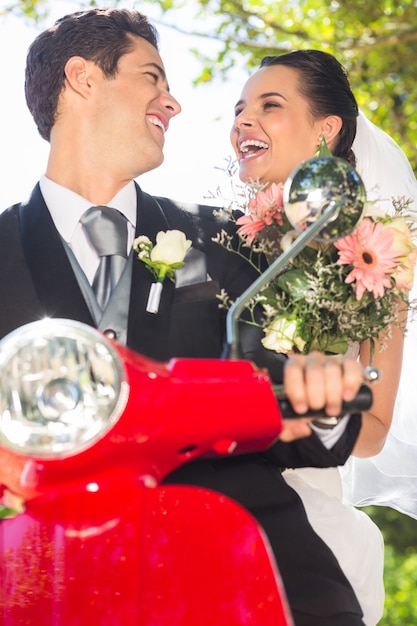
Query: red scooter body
{"points": [[101, 542]]}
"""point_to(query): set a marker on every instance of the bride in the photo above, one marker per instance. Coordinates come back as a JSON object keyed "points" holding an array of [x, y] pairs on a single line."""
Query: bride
{"points": [[285, 110]]}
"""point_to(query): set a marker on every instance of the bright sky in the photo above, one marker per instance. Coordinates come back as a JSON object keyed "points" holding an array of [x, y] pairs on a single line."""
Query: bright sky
{"points": [[197, 143]]}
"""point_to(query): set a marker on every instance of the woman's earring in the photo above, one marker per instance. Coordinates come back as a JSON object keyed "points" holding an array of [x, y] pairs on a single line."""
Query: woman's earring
{"points": [[323, 149]]}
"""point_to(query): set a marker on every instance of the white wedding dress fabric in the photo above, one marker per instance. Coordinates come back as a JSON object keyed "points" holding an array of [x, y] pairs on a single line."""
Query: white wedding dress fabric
{"points": [[351, 535], [330, 495], [390, 478]]}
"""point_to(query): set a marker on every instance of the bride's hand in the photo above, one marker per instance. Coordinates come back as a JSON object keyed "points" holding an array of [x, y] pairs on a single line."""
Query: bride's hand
{"points": [[318, 381]]}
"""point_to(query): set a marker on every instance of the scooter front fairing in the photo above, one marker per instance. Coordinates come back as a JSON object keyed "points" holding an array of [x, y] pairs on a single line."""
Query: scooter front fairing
{"points": [[101, 541]]}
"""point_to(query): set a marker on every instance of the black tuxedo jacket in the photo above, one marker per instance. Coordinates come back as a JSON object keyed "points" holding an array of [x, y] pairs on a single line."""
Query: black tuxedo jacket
{"points": [[37, 280]]}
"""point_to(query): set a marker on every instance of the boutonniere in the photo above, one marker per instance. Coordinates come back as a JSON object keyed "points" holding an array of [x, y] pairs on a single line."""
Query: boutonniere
{"points": [[162, 258]]}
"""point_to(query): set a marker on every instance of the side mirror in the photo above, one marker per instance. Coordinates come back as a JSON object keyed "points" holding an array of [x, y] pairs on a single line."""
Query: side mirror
{"points": [[321, 185]]}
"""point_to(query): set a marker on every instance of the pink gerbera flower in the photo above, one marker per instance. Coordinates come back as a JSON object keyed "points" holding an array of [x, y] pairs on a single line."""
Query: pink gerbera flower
{"points": [[265, 208], [370, 250]]}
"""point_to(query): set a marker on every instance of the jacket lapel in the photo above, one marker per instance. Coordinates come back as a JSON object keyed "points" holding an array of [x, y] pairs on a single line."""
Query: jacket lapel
{"points": [[148, 333], [51, 271]]}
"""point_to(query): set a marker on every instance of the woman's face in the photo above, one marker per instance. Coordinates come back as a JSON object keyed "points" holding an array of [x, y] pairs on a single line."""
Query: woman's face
{"points": [[273, 130]]}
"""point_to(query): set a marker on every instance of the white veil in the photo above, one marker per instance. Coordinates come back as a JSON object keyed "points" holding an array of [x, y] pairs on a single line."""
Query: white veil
{"points": [[390, 478]]}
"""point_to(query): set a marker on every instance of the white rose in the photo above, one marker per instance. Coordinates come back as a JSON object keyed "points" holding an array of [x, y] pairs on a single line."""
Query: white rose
{"points": [[171, 247], [141, 240], [282, 336]]}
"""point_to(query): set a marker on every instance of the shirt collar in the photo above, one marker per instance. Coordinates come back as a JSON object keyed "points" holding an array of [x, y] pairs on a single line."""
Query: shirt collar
{"points": [[66, 207]]}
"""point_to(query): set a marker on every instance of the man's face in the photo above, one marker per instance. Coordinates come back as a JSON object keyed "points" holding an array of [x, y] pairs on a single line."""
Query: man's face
{"points": [[131, 112]]}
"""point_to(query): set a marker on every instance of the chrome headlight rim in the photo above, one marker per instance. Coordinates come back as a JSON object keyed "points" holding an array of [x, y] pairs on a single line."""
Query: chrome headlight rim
{"points": [[95, 417]]}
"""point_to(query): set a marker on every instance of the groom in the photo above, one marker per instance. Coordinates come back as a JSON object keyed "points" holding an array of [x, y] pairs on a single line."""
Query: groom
{"points": [[96, 87]]}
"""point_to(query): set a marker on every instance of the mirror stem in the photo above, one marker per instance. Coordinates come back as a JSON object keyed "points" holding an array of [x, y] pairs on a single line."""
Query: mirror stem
{"points": [[233, 351]]}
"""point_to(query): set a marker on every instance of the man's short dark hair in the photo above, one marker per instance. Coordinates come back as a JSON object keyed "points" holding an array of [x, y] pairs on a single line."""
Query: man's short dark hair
{"points": [[98, 35]]}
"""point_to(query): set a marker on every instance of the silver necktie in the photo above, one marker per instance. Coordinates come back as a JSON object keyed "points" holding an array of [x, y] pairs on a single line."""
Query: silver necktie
{"points": [[106, 229]]}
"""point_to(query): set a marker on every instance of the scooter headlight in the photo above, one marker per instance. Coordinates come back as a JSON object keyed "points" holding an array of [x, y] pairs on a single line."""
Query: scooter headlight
{"points": [[62, 387]]}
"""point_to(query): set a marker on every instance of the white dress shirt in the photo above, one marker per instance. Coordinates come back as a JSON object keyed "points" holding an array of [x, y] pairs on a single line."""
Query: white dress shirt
{"points": [[66, 208]]}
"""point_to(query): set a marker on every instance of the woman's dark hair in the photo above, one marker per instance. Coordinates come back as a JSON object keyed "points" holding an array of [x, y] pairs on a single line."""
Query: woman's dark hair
{"points": [[324, 83], [99, 35]]}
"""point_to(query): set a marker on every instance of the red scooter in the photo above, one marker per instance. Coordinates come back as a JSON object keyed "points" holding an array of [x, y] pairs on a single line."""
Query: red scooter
{"points": [[88, 430]]}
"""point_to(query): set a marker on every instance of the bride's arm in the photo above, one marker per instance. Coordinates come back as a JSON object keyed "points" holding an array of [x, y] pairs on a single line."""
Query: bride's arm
{"points": [[376, 422]]}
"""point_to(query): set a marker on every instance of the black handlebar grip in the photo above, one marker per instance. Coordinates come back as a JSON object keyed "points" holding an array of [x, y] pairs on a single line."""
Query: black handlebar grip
{"points": [[362, 402]]}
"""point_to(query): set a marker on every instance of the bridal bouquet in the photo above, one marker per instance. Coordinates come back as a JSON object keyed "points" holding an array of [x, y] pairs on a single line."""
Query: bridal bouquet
{"points": [[331, 294]]}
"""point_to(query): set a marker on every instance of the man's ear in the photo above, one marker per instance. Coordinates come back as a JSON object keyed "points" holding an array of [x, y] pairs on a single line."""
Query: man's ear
{"points": [[78, 75], [331, 127]]}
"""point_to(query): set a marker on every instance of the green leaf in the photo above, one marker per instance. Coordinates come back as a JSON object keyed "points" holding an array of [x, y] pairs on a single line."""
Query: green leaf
{"points": [[334, 345], [6, 512], [293, 282]]}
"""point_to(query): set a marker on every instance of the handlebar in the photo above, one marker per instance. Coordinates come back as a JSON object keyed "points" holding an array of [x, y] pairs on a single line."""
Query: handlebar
{"points": [[362, 402]]}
